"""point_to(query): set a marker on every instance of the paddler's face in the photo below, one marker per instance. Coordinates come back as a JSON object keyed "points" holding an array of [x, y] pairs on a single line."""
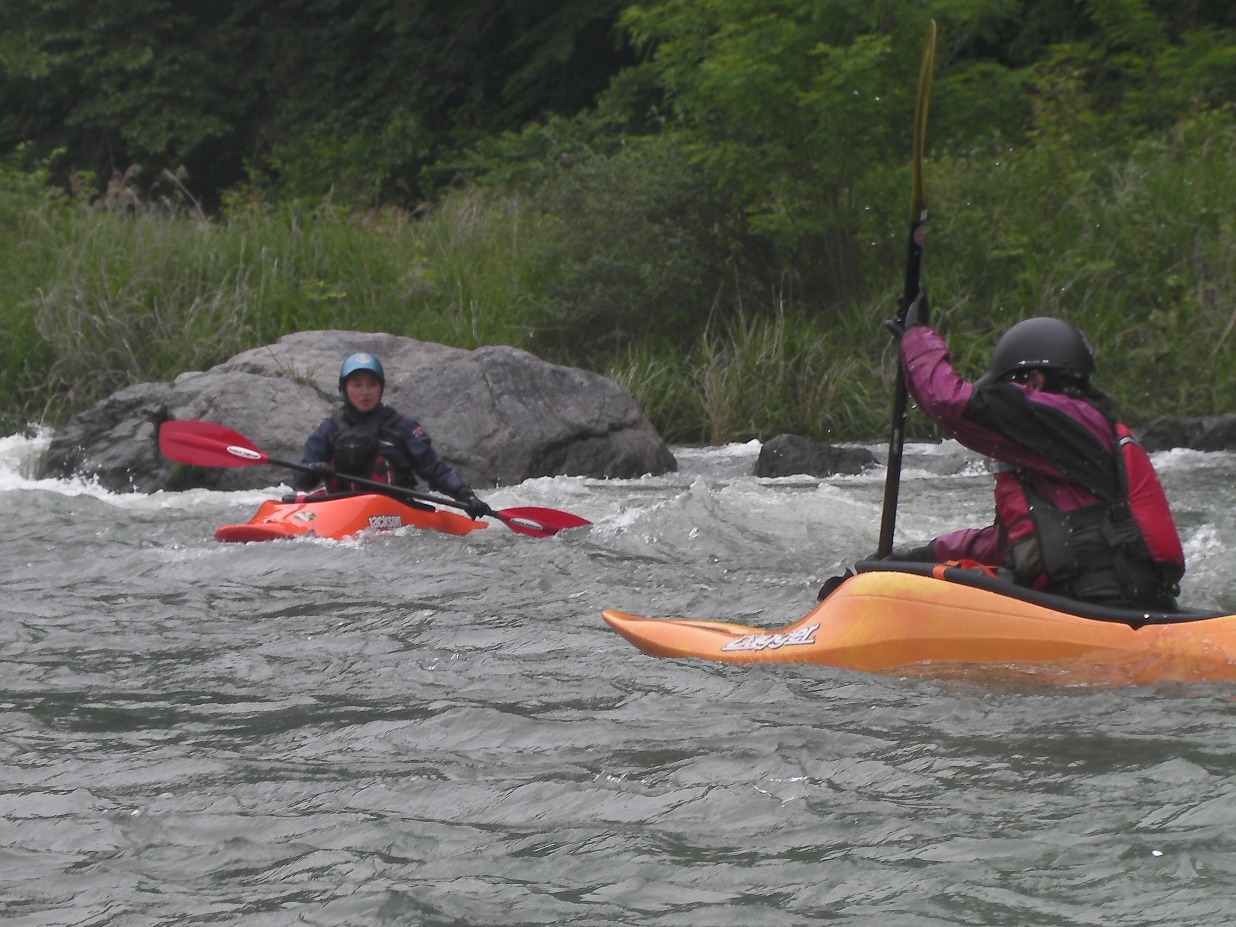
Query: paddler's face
{"points": [[364, 390], [1032, 380]]}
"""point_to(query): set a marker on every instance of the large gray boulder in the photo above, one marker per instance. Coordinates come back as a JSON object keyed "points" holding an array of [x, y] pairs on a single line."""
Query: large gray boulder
{"points": [[499, 415]]}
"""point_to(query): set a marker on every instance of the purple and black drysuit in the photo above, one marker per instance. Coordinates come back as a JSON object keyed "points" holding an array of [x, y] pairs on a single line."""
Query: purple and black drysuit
{"points": [[1057, 478]]}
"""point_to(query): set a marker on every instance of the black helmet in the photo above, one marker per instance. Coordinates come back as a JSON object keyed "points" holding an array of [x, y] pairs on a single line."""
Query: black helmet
{"points": [[1041, 344]]}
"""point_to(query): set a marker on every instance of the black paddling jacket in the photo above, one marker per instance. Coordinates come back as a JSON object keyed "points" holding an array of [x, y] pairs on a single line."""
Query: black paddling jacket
{"points": [[403, 445]]}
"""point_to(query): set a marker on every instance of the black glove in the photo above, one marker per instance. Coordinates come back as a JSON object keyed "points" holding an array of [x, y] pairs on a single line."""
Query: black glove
{"points": [[472, 505], [832, 584], [924, 554], [317, 472], [918, 312]]}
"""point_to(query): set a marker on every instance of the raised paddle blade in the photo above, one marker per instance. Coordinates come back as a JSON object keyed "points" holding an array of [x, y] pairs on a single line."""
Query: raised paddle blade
{"points": [[207, 444], [538, 521]]}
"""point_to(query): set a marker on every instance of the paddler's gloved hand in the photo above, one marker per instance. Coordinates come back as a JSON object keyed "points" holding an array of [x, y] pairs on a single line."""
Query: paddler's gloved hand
{"points": [[472, 505], [911, 316], [924, 554], [317, 472]]}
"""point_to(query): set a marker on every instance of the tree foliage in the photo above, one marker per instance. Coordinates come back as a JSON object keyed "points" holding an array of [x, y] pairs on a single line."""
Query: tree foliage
{"points": [[295, 96], [691, 170], [791, 105]]}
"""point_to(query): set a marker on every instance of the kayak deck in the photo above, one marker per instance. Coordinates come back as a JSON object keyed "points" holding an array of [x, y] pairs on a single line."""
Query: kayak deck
{"points": [[888, 620], [339, 517]]}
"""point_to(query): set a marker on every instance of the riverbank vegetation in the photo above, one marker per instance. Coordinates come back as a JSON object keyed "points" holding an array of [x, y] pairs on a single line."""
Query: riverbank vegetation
{"points": [[719, 226]]}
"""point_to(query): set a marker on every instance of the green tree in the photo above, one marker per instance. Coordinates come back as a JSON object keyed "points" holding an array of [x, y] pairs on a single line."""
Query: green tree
{"points": [[108, 83], [299, 96], [802, 109]]}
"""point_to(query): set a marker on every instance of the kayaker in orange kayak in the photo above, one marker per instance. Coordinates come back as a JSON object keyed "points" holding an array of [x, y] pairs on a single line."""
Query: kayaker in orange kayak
{"points": [[1079, 509], [368, 439]]}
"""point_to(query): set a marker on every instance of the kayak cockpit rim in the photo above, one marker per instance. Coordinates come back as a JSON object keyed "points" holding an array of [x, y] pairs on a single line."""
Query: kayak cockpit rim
{"points": [[1003, 585]]}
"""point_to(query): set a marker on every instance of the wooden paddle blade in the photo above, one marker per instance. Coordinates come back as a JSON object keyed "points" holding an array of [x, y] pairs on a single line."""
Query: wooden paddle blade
{"points": [[207, 444], [538, 521]]}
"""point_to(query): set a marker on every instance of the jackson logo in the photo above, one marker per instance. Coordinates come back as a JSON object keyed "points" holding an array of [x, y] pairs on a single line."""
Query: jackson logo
{"points": [[246, 452], [801, 637], [385, 522]]}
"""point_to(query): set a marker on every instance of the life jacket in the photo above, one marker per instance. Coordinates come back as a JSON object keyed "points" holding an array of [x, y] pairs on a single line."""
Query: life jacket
{"points": [[1125, 549], [357, 450]]}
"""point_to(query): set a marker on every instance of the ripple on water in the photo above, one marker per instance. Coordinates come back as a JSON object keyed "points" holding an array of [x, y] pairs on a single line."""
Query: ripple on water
{"points": [[419, 729]]}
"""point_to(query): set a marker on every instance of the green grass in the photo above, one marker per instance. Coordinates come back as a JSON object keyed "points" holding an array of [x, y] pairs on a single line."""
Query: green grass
{"points": [[94, 300], [1138, 247]]}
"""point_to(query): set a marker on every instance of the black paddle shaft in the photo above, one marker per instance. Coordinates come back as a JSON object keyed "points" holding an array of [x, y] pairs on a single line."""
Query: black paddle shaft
{"points": [[914, 263], [385, 488]]}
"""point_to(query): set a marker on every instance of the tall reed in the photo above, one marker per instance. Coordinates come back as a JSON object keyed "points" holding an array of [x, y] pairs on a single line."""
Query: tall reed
{"points": [[1138, 247], [106, 299]]}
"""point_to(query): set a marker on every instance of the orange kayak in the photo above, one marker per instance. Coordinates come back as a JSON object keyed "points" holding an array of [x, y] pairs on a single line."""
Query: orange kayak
{"points": [[935, 620], [339, 517]]}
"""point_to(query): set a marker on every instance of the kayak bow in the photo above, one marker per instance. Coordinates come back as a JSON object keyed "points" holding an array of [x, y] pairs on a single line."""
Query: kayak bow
{"points": [[339, 517]]}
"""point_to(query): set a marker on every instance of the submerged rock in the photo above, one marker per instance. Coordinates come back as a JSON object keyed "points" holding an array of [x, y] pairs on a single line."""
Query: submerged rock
{"points": [[499, 415], [1208, 433], [788, 455]]}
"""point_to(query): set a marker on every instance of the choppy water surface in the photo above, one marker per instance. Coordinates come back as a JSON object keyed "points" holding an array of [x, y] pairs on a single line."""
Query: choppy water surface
{"points": [[416, 729]]}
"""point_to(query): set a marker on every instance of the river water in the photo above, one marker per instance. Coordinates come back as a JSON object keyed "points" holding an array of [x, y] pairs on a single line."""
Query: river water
{"points": [[415, 729]]}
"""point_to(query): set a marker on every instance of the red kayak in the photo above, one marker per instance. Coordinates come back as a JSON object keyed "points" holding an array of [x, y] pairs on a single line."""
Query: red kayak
{"points": [[207, 444], [338, 517]]}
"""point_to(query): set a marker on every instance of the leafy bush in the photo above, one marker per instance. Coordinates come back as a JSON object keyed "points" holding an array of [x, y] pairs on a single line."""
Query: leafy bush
{"points": [[637, 249]]}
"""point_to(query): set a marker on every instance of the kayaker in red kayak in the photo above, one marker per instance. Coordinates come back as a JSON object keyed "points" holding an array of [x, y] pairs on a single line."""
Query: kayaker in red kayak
{"points": [[1079, 509], [368, 439]]}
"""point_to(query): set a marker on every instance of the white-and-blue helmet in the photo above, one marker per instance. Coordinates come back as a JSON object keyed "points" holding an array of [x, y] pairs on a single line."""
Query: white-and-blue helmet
{"points": [[361, 361]]}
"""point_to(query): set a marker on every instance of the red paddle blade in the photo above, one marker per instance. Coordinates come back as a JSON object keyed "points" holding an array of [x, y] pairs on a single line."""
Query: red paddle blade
{"points": [[538, 521], [205, 444]]}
